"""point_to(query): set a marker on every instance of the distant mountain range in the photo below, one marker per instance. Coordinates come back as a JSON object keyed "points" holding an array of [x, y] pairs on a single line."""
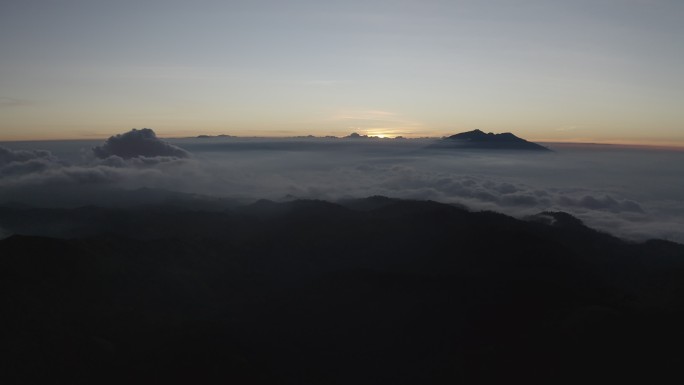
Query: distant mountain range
{"points": [[477, 139]]}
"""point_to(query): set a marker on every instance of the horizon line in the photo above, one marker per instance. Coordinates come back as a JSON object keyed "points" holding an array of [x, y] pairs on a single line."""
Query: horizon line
{"points": [[665, 145]]}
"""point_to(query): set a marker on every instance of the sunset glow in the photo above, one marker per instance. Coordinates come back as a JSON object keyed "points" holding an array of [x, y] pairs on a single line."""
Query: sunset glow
{"points": [[414, 69]]}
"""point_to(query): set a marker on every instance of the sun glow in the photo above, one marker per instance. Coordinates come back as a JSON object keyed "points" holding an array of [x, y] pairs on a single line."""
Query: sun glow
{"points": [[381, 134]]}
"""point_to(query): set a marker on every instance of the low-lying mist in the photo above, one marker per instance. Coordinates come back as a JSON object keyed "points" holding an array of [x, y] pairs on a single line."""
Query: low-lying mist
{"points": [[636, 193]]}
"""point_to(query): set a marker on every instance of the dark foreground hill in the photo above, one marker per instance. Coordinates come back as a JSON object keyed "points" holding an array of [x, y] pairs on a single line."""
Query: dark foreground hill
{"points": [[479, 140], [375, 291]]}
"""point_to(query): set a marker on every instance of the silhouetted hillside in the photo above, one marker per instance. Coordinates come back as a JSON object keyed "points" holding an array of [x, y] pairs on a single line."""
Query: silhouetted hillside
{"points": [[310, 292], [477, 139]]}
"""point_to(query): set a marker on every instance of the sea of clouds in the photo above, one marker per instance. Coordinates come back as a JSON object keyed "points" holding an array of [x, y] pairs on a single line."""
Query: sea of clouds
{"points": [[635, 193]]}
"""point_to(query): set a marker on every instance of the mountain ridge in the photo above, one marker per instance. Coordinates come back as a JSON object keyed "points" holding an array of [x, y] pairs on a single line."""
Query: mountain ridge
{"points": [[477, 139], [312, 292]]}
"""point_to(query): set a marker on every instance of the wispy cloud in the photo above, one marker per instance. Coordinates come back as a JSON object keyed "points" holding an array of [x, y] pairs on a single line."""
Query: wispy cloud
{"points": [[324, 83], [570, 128], [367, 115], [6, 102]]}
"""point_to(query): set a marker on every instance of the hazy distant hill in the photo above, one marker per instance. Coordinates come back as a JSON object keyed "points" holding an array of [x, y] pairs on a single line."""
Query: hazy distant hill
{"points": [[479, 140], [373, 290]]}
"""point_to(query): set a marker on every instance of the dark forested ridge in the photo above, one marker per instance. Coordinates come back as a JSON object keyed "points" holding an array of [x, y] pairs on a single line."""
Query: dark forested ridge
{"points": [[368, 291]]}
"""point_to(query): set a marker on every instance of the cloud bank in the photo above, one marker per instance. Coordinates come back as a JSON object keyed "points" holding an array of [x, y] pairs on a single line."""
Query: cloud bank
{"points": [[20, 162], [636, 194], [127, 161]]}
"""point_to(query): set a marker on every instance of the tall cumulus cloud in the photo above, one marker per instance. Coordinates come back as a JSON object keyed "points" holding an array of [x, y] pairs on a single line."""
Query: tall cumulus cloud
{"points": [[138, 143]]}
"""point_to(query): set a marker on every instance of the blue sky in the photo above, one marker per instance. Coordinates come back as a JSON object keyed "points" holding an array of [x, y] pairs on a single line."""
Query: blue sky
{"points": [[602, 71]]}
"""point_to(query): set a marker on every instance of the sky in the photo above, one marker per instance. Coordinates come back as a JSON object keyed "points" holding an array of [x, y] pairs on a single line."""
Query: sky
{"points": [[589, 71]]}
